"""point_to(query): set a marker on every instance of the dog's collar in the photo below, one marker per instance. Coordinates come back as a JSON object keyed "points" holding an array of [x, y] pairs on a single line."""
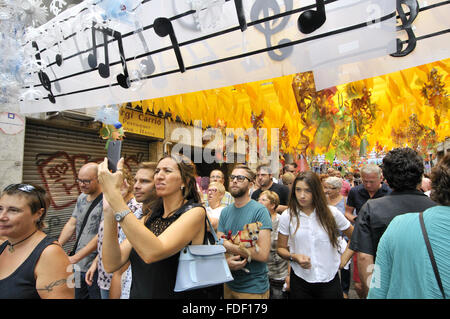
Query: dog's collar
{"points": [[228, 237], [245, 240]]}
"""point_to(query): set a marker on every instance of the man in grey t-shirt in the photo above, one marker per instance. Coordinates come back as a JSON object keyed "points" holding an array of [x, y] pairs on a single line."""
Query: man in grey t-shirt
{"points": [[87, 245]]}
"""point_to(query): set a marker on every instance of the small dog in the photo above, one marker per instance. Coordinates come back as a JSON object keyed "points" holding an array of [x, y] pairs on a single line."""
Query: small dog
{"points": [[247, 238]]}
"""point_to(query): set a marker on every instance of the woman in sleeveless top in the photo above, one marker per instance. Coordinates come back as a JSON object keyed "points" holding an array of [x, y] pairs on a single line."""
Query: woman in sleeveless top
{"points": [[31, 265], [153, 243]]}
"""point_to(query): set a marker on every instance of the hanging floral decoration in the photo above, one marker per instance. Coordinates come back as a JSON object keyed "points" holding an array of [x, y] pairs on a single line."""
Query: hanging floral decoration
{"points": [[404, 108], [436, 95], [317, 114]]}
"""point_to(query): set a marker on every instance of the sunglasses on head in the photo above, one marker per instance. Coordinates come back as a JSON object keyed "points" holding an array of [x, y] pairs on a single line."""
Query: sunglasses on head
{"points": [[26, 188]]}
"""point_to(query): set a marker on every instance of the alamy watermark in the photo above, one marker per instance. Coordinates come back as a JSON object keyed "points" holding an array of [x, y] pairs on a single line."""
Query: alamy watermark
{"points": [[235, 145]]}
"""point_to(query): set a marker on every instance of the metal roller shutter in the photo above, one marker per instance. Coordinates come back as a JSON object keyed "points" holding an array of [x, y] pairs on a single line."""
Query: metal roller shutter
{"points": [[52, 159]]}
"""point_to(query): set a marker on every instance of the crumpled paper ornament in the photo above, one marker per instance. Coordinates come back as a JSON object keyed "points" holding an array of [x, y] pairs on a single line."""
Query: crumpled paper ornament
{"points": [[208, 13], [122, 11], [34, 13], [112, 129]]}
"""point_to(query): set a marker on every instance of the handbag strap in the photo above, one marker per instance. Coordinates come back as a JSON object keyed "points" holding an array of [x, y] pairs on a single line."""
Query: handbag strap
{"points": [[93, 204], [212, 231], [188, 206], [430, 254]]}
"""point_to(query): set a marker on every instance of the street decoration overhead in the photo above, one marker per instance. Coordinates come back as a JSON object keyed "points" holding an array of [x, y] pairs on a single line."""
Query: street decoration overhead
{"points": [[304, 67], [105, 52]]}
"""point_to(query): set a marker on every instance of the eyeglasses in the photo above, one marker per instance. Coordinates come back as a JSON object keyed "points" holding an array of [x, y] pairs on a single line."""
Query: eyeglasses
{"points": [[84, 181], [212, 190], [240, 178], [26, 188]]}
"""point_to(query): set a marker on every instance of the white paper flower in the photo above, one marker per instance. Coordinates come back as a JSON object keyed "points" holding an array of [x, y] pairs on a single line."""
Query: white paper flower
{"points": [[34, 12]]}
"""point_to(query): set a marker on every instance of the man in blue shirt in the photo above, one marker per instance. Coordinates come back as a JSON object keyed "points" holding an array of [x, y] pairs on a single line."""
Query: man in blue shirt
{"points": [[255, 284]]}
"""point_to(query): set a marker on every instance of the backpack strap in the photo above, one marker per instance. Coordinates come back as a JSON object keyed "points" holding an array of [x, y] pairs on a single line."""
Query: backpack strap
{"points": [[430, 254], [91, 207]]}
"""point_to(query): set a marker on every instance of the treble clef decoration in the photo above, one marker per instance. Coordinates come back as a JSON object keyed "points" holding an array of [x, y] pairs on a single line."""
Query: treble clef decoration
{"points": [[265, 7], [413, 6]]}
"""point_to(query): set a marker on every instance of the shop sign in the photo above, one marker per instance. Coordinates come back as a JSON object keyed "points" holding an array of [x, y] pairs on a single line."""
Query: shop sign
{"points": [[143, 124]]}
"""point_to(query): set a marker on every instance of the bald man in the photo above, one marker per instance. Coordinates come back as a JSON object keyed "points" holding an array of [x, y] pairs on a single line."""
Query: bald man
{"points": [[86, 249], [426, 186]]}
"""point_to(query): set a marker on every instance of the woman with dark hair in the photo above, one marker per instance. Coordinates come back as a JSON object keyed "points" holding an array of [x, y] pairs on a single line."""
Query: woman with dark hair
{"points": [[153, 243], [32, 265], [403, 269], [308, 237]]}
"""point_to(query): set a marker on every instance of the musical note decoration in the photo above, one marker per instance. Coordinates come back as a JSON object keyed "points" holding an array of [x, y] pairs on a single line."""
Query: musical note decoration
{"points": [[241, 15], [311, 20], [163, 27], [104, 68], [406, 26], [59, 39], [43, 77], [146, 66], [59, 59]]}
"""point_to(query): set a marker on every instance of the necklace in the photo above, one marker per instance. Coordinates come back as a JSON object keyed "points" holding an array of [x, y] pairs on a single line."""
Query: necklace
{"points": [[11, 246]]}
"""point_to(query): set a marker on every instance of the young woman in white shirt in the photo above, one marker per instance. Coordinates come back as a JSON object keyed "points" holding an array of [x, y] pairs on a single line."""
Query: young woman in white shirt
{"points": [[308, 237]]}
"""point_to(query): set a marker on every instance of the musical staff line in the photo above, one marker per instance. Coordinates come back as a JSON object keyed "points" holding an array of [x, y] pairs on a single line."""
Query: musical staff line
{"points": [[206, 37], [187, 13], [235, 28], [292, 43], [243, 55]]}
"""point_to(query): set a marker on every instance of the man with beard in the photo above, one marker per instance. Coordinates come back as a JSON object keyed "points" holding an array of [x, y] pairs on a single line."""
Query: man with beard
{"points": [[264, 177], [255, 284], [86, 248]]}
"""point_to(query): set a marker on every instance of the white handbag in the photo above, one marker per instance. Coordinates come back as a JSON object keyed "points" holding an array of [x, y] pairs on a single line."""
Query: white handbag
{"points": [[202, 266]]}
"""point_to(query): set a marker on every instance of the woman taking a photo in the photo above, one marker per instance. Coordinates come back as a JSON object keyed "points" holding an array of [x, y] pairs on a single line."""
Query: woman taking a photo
{"points": [[153, 243], [311, 228], [32, 265]]}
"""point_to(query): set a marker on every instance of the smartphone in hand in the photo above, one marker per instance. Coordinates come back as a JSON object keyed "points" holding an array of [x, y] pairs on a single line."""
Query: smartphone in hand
{"points": [[114, 150]]}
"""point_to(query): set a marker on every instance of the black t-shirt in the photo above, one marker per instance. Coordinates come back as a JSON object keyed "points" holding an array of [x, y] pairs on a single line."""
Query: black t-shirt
{"points": [[358, 195], [375, 216], [281, 190], [157, 280]]}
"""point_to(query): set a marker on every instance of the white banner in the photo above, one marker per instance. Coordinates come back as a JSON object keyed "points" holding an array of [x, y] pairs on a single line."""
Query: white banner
{"points": [[166, 47], [429, 30]]}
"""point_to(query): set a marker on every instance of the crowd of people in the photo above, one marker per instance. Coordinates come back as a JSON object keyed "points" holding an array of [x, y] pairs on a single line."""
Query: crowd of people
{"points": [[314, 229]]}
